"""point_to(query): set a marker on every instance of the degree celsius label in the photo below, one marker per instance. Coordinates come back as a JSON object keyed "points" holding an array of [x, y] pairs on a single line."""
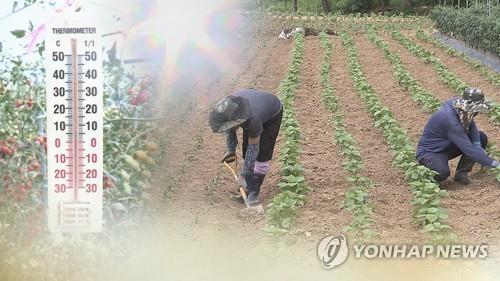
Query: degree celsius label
{"points": [[73, 67]]}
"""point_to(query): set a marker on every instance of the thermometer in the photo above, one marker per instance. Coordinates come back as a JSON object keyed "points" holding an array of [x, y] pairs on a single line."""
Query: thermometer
{"points": [[74, 128]]}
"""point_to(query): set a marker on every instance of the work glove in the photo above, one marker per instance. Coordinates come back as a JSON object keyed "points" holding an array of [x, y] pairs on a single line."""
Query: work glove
{"points": [[229, 157], [496, 164]]}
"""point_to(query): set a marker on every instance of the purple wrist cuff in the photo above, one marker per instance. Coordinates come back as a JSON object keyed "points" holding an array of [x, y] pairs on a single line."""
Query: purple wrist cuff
{"points": [[261, 167]]}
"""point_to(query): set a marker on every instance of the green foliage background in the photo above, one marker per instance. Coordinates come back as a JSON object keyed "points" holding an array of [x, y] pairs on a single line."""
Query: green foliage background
{"points": [[355, 6], [478, 27]]}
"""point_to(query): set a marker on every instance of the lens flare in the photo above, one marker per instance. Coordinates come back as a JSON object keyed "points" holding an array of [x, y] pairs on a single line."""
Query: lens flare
{"points": [[188, 40]]}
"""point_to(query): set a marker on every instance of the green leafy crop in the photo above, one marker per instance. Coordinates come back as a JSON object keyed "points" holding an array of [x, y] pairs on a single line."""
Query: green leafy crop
{"points": [[447, 76], [426, 192], [357, 197], [490, 74], [476, 25], [284, 207]]}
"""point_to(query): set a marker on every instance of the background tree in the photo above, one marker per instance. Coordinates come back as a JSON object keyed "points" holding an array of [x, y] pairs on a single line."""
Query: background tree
{"points": [[326, 6], [383, 4]]}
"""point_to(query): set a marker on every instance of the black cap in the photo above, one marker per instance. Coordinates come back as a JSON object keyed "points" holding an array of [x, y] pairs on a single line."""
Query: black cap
{"points": [[228, 113]]}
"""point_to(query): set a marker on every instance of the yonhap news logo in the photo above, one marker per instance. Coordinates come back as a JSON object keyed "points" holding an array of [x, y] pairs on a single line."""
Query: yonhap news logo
{"points": [[333, 251]]}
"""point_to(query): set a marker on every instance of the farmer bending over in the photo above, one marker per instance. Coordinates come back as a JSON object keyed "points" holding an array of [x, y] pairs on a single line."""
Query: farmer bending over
{"points": [[259, 114], [451, 132]]}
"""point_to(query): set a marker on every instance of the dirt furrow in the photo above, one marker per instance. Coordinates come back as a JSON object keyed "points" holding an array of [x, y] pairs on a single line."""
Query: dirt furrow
{"points": [[423, 72], [465, 71], [322, 213], [429, 79], [426, 76], [178, 130], [269, 80], [180, 99], [192, 202], [391, 196], [470, 205]]}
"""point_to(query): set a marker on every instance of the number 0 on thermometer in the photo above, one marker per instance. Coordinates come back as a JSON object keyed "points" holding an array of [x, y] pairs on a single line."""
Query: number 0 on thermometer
{"points": [[74, 128]]}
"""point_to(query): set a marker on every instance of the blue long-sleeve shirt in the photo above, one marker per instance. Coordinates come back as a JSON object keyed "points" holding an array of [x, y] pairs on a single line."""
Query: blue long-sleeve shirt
{"points": [[444, 131]]}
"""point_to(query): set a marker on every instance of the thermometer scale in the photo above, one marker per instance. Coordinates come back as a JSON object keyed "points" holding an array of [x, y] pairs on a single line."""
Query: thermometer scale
{"points": [[74, 128]]}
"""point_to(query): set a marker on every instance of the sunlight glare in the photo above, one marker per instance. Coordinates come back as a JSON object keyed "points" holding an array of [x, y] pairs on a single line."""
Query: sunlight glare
{"points": [[179, 22]]}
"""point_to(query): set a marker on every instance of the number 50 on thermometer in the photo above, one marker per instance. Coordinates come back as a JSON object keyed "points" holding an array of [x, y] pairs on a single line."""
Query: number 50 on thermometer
{"points": [[74, 128]]}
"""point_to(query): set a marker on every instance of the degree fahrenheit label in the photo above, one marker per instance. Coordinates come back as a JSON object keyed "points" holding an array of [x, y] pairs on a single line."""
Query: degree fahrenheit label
{"points": [[74, 128]]}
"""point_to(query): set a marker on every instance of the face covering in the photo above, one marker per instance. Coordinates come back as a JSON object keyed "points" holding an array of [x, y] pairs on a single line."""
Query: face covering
{"points": [[466, 118], [467, 111]]}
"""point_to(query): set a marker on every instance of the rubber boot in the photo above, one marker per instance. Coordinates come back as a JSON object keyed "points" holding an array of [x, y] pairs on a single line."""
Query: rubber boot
{"points": [[253, 185], [253, 189], [464, 167]]}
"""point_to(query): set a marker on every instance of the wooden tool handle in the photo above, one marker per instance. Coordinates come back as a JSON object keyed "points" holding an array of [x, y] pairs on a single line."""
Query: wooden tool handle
{"points": [[244, 195], [232, 170]]}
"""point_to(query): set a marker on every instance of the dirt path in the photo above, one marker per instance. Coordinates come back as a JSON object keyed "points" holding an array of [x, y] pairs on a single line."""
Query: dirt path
{"points": [[390, 192], [472, 210], [426, 76], [206, 166], [429, 79], [185, 111], [206, 183], [466, 72], [201, 210], [322, 213]]}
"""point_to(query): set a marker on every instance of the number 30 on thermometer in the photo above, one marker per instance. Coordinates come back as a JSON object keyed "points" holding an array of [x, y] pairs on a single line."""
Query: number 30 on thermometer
{"points": [[74, 128]]}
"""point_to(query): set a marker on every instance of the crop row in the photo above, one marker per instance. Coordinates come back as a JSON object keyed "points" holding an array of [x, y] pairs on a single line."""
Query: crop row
{"points": [[350, 23], [417, 92], [426, 99], [446, 75], [495, 153], [490, 74], [426, 192], [284, 207], [357, 197]]}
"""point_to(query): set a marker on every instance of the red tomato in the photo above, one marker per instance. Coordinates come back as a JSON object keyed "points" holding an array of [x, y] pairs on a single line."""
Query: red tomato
{"points": [[19, 103], [143, 97], [108, 183], [134, 101]]}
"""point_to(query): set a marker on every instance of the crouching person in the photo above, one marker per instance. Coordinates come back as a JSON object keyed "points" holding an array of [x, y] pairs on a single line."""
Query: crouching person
{"points": [[259, 114], [452, 132]]}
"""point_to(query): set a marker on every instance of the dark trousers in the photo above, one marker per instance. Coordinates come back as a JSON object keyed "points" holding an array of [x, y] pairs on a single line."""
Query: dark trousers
{"points": [[439, 161], [268, 138]]}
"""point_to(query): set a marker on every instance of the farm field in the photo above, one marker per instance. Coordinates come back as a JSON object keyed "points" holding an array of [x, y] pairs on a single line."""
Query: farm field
{"points": [[473, 212], [199, 209], [355, 107], [199, 205]]}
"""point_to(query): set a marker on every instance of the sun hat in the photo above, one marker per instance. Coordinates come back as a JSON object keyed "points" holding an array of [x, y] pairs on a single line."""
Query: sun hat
{"points": [[228, 113]]}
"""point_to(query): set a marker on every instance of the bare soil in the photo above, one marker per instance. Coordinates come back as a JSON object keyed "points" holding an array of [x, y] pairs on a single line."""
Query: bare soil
{"points": [[323, 213], [202, 197], [465, 71], [391, 194], [203, 193], [462, 202], [200, 230]]}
